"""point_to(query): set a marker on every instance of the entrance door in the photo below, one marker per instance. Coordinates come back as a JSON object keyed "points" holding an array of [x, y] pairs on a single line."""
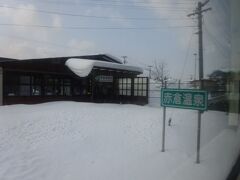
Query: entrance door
{"points": [[103, 92], [104, 89]]}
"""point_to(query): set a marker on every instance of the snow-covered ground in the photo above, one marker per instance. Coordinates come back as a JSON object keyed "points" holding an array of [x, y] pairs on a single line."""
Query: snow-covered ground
{"points": [[72, 141]]}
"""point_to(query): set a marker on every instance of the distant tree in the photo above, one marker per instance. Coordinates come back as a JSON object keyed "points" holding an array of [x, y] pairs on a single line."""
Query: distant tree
{"points": [[220, 77], [160, 71]]}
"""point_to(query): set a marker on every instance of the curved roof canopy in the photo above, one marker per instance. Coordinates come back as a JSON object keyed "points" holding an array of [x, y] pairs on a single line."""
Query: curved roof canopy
{"points": [[83, 67]]}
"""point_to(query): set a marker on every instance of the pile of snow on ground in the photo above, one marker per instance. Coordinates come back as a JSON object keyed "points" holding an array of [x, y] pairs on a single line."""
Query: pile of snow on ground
{"points": [[72, 141]]}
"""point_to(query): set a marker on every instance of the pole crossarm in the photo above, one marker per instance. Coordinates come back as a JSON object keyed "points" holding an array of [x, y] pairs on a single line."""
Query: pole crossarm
{"points": [[203, 4], [199, 12], [205, 10]]}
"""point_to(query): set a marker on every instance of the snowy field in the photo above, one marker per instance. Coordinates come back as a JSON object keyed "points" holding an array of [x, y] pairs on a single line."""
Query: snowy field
{"points": [[86, 141]]}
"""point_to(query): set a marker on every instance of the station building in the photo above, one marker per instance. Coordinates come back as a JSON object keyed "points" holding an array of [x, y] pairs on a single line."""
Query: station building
{"points": [[93, 78]]}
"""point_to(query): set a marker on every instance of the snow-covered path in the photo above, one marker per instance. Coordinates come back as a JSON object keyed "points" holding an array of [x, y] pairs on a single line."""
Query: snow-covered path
{"points": [[68, 141]]}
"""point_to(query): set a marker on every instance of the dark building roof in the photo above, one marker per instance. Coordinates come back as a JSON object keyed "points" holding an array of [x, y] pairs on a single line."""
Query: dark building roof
{"points": [[62, 60], [3, 59]]}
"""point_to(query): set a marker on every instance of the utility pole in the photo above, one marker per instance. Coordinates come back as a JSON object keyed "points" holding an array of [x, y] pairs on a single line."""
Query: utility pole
{"points": [[198, 12], [195, 67], [124, 59], [150, 71]]}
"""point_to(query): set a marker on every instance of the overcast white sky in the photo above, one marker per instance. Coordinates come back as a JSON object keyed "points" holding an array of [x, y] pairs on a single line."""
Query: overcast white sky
{"points": [[173, 42]]}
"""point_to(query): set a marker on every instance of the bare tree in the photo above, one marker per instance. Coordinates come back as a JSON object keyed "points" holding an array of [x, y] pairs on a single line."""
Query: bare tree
{"points": [[160, 71]]}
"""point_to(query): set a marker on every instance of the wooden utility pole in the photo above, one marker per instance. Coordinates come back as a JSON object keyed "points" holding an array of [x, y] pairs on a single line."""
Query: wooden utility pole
{"points": [[124, 59], [150, 71], [198, 12]]}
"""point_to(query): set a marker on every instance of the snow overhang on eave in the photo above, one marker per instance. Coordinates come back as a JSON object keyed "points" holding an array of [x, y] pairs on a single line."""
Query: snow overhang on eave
{"points": [[83, 67]]}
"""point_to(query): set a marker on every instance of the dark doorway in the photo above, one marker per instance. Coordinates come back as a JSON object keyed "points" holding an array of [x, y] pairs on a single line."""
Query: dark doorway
{"points": [[104, 91]]}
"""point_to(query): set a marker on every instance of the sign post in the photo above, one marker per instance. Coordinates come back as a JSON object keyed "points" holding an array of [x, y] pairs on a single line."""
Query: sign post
{"points": [[198, 137], [164, 122], [184, 99]]}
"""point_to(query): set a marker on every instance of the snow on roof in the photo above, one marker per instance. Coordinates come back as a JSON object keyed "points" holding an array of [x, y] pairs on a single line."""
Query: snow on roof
{"points": [[113, 57], [83, 67]]}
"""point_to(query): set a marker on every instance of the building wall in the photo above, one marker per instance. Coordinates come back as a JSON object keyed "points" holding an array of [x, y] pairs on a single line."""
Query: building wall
{"points": [[1, 86], [101, 86]]}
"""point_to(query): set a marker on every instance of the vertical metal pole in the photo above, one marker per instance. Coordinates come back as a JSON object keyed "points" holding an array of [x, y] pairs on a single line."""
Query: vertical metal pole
{"points": [[200, 54], [198, 137], [164, 122], [195, 67], [199, 12]]}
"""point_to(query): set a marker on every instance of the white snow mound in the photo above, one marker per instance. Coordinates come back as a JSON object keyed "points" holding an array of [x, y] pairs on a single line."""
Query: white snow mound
{"points": [[83, 67]]}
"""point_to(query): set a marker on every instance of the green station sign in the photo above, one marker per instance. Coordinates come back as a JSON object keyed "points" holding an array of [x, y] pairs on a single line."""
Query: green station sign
{"points": [[184, 98]]}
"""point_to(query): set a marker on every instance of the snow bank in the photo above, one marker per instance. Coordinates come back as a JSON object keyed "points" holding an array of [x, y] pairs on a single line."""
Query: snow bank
{"points": [[82, 67], [218, 157], [68, 141]]}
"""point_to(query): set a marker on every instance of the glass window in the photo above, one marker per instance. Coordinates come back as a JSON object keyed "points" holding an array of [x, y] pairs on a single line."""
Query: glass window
{"points": [[24, 90], [139, 93], [135, 86], [144, 93], [120, 92], [135, 92], [135, 80], [11, 90], [125, 85], [58, 87], [12, 79], [49, 90], [36, 80], [77, 90], [49, 82], [67, 81], [140, 80], [25, 79], [140, 86], [67, 91], [36, 90], [120, 85], [129, 86], [144, 87]]}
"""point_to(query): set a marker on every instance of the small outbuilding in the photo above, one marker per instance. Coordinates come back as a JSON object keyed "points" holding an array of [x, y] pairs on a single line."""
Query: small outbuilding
{"points": [[92, 78]]}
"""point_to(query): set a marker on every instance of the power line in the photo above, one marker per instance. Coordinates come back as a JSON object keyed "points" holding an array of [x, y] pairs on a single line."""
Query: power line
{"points": [[88, 16], [94, 28], [118, 1], [121, 4]]}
